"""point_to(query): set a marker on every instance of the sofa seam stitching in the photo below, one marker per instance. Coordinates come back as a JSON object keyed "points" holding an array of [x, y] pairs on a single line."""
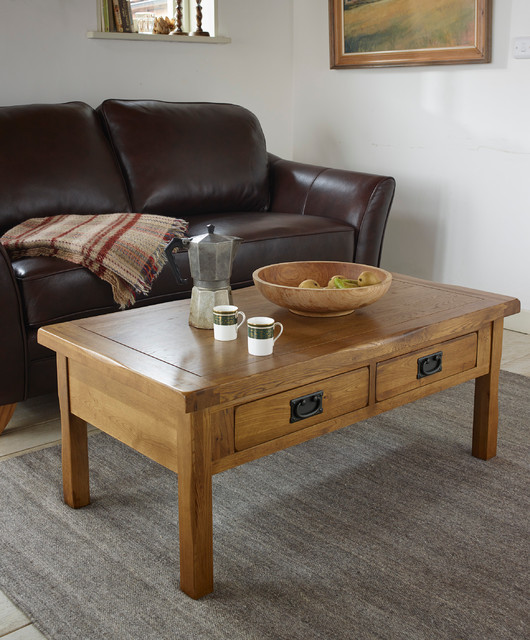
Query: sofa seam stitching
{"points": [[322, 171]]}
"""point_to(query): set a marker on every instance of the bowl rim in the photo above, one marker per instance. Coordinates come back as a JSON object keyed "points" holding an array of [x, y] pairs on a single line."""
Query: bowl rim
{"points": [[388, 274]]}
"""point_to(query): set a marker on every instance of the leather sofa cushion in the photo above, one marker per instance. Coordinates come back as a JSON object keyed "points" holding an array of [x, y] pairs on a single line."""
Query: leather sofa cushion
{"points": [[68, 166], [53, 290], [180, 159]]}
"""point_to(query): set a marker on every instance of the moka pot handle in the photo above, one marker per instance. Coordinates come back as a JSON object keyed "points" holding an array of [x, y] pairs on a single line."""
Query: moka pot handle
{"points": [[180, 243]]}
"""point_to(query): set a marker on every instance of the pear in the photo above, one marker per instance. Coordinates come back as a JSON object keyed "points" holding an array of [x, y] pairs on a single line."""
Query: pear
{"points": [[309, 284], [367, 278]]}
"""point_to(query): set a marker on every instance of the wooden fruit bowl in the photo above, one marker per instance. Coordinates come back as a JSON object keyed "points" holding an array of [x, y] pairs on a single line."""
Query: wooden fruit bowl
{"points": [[279, 284]]}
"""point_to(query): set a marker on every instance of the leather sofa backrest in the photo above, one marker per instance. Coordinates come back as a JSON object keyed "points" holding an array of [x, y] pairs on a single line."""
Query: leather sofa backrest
{"points": [[55, 159], [182, 159]]}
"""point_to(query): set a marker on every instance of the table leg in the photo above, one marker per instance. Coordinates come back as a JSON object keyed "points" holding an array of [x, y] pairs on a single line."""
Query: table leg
{"points": [[74, 445], [486, 410], [195, 504]]}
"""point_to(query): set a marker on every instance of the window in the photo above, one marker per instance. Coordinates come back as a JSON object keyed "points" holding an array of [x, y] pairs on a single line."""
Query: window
{"points": [[144, 12], [113, 15]]}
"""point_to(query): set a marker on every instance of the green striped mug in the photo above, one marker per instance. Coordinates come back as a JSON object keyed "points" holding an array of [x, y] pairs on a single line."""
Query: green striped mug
{"points": [[225, 324], [261, 337]]}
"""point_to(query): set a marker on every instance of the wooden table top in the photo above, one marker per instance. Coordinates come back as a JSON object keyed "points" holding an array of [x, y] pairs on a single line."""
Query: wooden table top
{"points": [[156, 342]]}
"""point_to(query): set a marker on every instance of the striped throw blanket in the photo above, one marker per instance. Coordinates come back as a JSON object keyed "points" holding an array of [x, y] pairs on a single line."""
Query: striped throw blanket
{"points": [[124, 249]]}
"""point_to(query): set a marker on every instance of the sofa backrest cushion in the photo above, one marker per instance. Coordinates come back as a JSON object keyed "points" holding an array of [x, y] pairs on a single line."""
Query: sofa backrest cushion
{"points": [[182, 159], [55, 159]]}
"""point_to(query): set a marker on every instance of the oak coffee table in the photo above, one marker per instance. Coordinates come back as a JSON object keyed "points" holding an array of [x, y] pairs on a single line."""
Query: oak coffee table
{"points": [[199, 407]]}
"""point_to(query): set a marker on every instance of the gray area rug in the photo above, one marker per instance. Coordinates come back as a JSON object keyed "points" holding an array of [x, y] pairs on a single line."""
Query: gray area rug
{"points": [[388, 529]]}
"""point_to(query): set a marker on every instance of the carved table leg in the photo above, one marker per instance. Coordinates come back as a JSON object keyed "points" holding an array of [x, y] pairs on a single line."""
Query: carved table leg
{"points": [[74, 445], [195, 504], [486, 410], [6, 413]]}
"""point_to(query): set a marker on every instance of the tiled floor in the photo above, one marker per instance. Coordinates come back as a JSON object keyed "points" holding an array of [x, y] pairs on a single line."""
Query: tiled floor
{"points": [[14, 625], [36, 424]]}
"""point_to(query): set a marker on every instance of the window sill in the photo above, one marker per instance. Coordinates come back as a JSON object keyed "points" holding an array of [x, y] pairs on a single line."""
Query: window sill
{"points": [[110, 35]]}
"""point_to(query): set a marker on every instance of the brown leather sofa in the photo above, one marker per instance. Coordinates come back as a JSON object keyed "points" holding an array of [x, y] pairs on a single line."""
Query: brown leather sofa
{"points": [[204, 162]]}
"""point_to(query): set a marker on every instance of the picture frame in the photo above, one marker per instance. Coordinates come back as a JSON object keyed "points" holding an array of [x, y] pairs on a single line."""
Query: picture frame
{"points": [[387, 33]]}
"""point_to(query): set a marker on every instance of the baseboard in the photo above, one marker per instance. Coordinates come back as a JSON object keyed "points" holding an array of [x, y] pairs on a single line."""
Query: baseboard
{"points": [[519, 322]]}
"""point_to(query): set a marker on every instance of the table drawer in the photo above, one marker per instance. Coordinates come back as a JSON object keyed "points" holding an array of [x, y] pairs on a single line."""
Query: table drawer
{"points": [[425, 366], [263, 420]]}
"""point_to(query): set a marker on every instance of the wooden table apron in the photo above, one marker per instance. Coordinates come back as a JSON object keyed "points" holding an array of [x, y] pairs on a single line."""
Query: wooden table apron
{"points": [[200, 407]]}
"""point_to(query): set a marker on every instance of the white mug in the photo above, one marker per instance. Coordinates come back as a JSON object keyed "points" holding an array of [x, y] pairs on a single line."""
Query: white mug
{"points": [[225, 324], [261, 337]]}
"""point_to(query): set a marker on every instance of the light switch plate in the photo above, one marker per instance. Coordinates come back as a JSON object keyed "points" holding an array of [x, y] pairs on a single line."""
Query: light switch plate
{"points": [[521, 47]]}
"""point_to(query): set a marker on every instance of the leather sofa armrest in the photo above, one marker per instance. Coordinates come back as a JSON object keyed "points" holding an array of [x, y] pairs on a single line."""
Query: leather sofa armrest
{"points": [[362, 200], [12, 336]]}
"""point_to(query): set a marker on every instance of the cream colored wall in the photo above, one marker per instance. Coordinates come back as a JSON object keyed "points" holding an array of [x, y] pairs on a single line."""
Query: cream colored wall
{"points": [[46, 57], [456, 138]]}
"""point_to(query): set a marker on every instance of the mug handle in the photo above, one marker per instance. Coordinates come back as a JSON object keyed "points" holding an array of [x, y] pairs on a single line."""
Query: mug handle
{"points": [[277, 324], [243, 317]]}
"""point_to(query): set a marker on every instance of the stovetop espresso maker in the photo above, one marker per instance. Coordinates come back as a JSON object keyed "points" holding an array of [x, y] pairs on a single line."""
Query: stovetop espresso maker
{"points": [[211, 257]]}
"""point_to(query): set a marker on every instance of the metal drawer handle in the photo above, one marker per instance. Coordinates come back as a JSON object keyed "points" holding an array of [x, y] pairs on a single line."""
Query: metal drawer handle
{"points": [[306, 406], [428, 365]]}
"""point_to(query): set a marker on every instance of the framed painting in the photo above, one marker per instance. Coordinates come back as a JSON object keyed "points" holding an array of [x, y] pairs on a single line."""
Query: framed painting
{"points": [[386, 33]]}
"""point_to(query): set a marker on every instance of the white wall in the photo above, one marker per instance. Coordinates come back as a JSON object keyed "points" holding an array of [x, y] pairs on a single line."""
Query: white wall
{"points": [[46, 57], [456, 138]]}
